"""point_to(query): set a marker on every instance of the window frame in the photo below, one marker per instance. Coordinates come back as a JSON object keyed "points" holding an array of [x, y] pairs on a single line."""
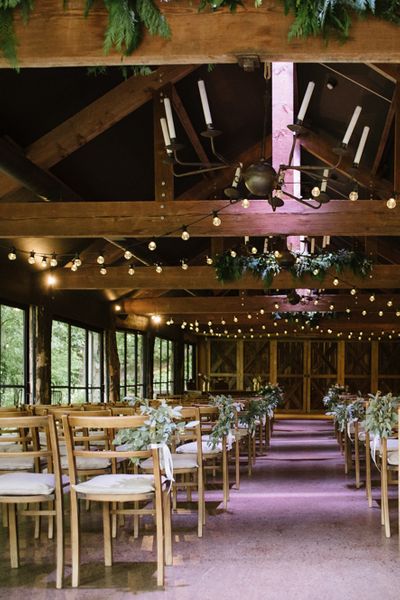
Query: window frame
{"points": [[25, 386], [125, 388], [170, 381]]}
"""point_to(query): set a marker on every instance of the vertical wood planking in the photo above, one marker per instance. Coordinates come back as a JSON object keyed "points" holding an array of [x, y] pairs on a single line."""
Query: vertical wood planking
{"points": [[341, 362]]}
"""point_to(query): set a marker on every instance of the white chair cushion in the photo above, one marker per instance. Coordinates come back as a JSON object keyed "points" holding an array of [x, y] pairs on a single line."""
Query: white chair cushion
{"points": [[10, 447], [392, 444], [393, 458], [26, 484], [62, 448], [117, 484], [191, 448], [86, 462], [180, 461], [15, 463]]}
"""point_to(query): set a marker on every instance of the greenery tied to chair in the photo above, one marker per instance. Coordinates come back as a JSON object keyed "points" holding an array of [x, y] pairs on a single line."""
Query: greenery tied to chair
{"points": [[381, 414], [332, 398], [226, 418]]}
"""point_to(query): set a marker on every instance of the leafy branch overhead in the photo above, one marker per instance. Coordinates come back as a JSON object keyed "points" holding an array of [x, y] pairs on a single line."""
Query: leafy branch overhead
{"points": [[127, 19]]}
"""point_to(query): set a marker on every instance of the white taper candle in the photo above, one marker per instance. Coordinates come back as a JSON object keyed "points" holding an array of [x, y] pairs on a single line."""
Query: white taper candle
{"points": [[324, 241], [165, 133], [328, 240], [306, 101], [324, 183], [312, 250], [236, 178], [170, 118], [352, 124], [204, 102], [361, 146]]}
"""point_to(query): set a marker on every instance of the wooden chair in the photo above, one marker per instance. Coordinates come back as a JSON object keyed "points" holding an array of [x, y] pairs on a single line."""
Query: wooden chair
{"points": [[389, 453], [115, 487], [26, 488], [188, 468]]}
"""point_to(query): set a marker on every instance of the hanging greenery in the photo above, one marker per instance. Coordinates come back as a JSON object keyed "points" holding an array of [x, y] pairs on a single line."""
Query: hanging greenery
{"points": [[272, 397], [127, 19], [266, 265], [356, 410], [224, 425], [339, 414], [334, 17], [381, 414]]}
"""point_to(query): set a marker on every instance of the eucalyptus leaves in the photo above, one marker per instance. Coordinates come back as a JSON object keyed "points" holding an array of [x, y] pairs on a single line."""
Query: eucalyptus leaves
{"points": [[161, 423], [381, 416], [271, 397], [332, 398], [266, 265], [226, 419]]}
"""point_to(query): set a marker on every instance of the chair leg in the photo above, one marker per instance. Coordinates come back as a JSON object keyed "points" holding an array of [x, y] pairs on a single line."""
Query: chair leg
{"points": [[200, 503], [167, 528], [50, 524], [250, 459], [357, 458], [346, 454], [368, 486], [114, 521], [136, 522], [5, 515], [237, 464], [60, 542], [225, 480], [160, 541], [37, 524], [75, 541], [107, 535], [13, 535], [385, 491]]}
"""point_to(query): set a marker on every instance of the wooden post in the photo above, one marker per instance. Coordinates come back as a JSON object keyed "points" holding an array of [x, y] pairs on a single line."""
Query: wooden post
{"points": [[148, 360], [341, 362], [239, 365], [43, 355], [374, 366], [273, 361], [179, 360], [113, 365]]}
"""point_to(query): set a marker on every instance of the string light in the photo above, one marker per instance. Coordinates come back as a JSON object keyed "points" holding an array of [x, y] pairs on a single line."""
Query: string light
{"points": [[254, 250], [372, 298], [103, 271], [216, 219], [12, 255], [53, 260], [245, 203], [51, 280], [131, 270], [127, 255], [73, 266], [380, 313], [185, 234], [32, 258], [315, 192], [209, 260], [331, 307], [156, 319], [389, 303], [43, 262], [158, 268], [353, 291], [235, 319], [335, 281], [364, 312], [184, 264], [233, 253], [100, 259], [152, 245], [391, 203]]}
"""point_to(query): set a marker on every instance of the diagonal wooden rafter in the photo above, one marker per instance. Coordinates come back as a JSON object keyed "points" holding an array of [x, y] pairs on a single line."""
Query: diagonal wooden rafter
{"points": [[96, 118], [386, 131]]}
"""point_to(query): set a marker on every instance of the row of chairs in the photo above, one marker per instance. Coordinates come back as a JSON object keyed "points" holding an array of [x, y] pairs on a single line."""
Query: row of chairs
{"points": [[69, 450]]}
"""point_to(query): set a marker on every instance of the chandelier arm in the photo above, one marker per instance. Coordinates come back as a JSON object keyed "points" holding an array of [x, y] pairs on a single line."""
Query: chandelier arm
{"points": [[217, 154], [196, 164], [198, 171], [302, 201], [292, 149]]}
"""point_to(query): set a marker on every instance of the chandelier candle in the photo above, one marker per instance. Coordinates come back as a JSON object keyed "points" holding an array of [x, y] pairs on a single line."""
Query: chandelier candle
{"points": [[361, 147], [306, 102], [236, 178], [324, 183], [204, 103], [165, 133], [170, 118], [352, 124]]}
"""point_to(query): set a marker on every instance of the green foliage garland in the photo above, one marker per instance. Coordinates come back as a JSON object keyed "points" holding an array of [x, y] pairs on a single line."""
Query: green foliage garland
{"points": [[381, 415], [158, 429], [224, 424], [128, 18], [265, 266], [271, 396], [331, 400]]}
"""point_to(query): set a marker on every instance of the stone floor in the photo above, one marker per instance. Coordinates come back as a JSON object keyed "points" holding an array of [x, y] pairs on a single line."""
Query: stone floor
{"points": [[297, 530]]}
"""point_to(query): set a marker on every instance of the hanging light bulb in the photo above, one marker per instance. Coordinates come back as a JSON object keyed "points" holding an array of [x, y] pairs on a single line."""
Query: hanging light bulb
{"points": [[353, 291], [74, 267], [391, 203], [348, 311], [12, 255], [245, 203], [131, 270], [262, 311], [276, 306], [335, 281], [372, 298], [364, 312], [315, 192], [353, 196], [103, 271], [254, 250], [152, 245], [249, 316], [53, 260], [184, 264], [43, 262], [380, 313], [389, 303], [158, 268], [32, 258], [233, 253], [216, 219], [331, 307], [209, 260], [235, 319], [185, 234], [100, 259]]}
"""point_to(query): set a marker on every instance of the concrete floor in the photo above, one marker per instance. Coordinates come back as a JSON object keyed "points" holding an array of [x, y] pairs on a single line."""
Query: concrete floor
{"points": [[297, 530]]}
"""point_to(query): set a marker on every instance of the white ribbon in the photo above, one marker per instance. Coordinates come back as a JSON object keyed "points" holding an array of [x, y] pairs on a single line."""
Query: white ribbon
{"points": [[166, 463], [230, 438], [374, 448]]}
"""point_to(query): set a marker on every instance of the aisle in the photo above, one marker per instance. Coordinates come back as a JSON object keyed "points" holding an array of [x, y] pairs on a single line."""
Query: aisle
{"points": [[295, 531]]}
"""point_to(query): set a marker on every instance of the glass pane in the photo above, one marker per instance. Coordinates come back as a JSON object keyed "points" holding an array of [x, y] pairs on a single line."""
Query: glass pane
{"points": [[12, 347], [78, 396], [121, 355], [130, 359], [94, 358], [139, 342], [94, 395], [389, 353], [59, 354], [290, 358], [78, 367]]}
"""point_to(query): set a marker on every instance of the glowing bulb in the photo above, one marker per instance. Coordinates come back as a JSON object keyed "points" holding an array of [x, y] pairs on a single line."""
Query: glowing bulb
{"points": [[276, 305], [353, 291], [364, 312], [216, 220], [43, 262], [329, 330], [397, 313], [335, 281], [77, 260], [209, 323], [348, 311], [53, 260], [158, 269], [315, 192], [380, 313], [249, 316], [117, 308], [235, 319], [12, 255], [185, 234], [372, 298], [331, 307], [74, 267], [32, 258], [389, 303], [315, 272], [223, 322], [353, 196], [127, 255], [184, 264], [131, 270], [51, 280], [245, 203], [391, 203], [100, 259], [233, 254], [209, 260], [254, 250], [103, 271], [152, 245], [156, 319], [262, 311]]}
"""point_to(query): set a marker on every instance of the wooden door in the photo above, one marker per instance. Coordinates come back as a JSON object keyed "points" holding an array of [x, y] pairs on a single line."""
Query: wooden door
{"points": [[290, 373], [321, 371]]}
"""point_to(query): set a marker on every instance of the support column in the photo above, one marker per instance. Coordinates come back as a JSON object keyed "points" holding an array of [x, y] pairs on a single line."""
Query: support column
{"points": [[179, 360], [43, 355], [148, 363], [113, 366], [374, 366]]}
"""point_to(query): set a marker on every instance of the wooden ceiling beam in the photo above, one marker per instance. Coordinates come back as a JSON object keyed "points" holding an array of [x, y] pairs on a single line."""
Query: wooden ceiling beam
{"points": [[62, 37], [96, 118], [256, 322], [203, 278], [147, 219], [386, 131], [235, 305]]}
